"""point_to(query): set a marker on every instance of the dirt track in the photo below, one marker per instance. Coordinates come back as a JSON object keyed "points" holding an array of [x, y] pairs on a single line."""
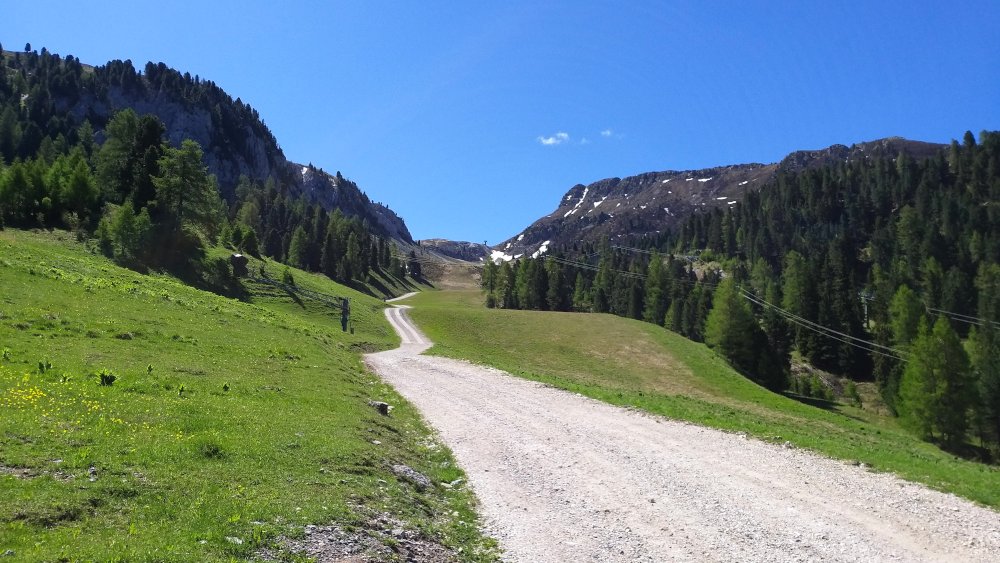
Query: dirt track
{"points": [[564, 478]]}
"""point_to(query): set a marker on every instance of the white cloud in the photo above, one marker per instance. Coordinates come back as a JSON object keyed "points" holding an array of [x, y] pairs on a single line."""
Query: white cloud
{"points": [[557, 139], [607, 133], [584, 141]]}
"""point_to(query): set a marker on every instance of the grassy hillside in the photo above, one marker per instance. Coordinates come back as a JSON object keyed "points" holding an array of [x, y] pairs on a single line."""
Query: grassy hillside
{"points": [[637, 364], [228, 426]]}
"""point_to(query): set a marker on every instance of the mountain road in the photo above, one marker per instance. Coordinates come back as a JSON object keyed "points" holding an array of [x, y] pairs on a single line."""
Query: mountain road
{"points": [[561, 477]]}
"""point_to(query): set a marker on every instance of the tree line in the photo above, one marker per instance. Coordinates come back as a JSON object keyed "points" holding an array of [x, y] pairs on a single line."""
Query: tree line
{"points": [[881, 269]]}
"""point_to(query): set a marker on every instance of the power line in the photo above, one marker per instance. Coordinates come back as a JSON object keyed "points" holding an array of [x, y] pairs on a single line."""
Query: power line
{"points": [[585, 266], [828, 332], [968, 319]]}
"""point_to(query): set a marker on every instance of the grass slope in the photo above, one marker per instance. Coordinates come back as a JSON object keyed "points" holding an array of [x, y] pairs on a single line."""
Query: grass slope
{"points": [[229, 425], [637, 364]]}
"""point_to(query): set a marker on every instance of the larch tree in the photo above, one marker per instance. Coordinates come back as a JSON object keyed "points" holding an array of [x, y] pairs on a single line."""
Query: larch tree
{"points": [[936, 391], [732, 330], [986, 353]]}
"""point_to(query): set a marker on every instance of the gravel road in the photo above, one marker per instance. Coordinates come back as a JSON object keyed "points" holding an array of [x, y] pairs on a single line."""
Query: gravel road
{"points": [[561, 477]]}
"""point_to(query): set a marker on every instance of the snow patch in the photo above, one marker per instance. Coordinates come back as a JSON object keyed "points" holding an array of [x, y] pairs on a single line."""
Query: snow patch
{"points": [[498, 256], [304, 170], [731, 202], [704, 179], [520, 237], [507, 247], [667, 180], [596, 203], [744, 182], [721, 198], [688, 179], [642, 207], [541, 249]]}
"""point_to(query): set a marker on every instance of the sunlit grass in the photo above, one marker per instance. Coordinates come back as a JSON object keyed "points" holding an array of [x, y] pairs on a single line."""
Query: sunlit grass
{"points": [[227, 424]]}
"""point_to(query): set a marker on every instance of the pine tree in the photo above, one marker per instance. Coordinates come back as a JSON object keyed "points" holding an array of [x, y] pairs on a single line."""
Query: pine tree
{"points": [[733, 331], [581, 294], [299, 248], [986, 353], [936, 391], [185, 191], [506, 288], [250, 243], [905, 313], [79, 194], [352, 258], [656, 293], [799, 298], [555, 293]]}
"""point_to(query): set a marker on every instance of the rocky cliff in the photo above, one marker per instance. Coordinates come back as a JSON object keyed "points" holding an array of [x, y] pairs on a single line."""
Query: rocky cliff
{"points": [[235, 141]]}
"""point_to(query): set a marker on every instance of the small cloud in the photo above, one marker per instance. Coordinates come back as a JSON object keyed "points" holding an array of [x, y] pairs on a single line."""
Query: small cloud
{"points": [[607, 133], [584, 141], [557, 139]]}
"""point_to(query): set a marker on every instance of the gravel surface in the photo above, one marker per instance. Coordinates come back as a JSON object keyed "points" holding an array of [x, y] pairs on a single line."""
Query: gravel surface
{"points": [[561, 477]]}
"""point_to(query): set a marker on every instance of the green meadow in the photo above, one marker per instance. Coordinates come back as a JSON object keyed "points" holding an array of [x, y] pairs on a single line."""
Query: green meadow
{"points": [[144, 420], [636, 364]]}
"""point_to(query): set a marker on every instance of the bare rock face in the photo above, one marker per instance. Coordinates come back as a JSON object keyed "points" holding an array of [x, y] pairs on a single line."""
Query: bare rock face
{"points": [[236, 143], [655, 202], [338, 192], [459, 250]]}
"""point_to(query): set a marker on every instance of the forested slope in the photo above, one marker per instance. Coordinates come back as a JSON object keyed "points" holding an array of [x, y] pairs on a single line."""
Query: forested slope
{"points": [[155, 164], [871, 269]]}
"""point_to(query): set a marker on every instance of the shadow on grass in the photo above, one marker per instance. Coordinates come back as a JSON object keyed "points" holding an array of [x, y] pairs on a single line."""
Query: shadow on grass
{"points": [[829, 406], [968, 452]]}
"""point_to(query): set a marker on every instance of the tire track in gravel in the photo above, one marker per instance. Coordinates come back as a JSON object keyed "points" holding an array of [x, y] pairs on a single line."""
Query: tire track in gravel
{"points": [[562, 477]]}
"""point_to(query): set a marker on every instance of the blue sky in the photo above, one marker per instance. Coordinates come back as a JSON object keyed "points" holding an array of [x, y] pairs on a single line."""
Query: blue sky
{"points": [[471, 119]]}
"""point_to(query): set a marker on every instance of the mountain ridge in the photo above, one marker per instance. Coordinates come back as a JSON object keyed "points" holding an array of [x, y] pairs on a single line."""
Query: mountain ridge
{"points": [[651, 202]]}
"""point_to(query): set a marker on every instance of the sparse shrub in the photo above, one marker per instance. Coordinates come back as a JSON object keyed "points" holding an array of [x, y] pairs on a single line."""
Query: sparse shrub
{"points": [[816, 388], [106, 378], [225, 387], [6, 354], [286, 277], [105, 241], [44, 366], [852, 393]]}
